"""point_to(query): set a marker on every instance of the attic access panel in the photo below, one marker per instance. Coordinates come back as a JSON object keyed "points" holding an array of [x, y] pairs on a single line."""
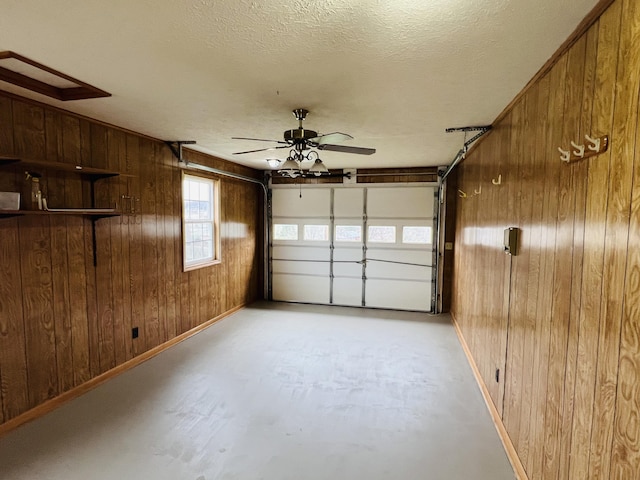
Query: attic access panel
{"points": [[34, 76]]}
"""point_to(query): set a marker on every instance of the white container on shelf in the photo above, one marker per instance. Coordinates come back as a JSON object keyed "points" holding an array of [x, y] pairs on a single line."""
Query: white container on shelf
{"points": [[9, 201]]}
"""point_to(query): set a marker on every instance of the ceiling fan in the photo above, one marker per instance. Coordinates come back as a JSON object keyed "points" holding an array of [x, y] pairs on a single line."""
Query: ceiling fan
{"points": [[300, 139]]}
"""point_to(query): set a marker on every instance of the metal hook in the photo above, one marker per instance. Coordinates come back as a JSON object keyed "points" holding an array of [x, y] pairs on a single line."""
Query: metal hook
{"points": [[564, 155], [497, 181], [462, 194], [579, 152], [479, 191], [595, 143]]}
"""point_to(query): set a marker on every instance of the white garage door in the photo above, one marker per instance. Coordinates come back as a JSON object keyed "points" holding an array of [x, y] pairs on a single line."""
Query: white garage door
{"points": [[352, 245]]}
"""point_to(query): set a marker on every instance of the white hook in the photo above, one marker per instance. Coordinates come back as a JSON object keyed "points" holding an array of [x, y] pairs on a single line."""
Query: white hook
{"points": [[497, 181], [579, 152], [462, 194], [479, 191], [595, 143], [564, 155]]}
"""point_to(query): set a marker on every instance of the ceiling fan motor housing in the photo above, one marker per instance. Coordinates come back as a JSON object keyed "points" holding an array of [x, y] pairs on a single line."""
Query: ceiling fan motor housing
{"points": [[299, 134]]}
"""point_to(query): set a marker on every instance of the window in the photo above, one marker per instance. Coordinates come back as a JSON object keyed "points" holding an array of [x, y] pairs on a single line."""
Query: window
{"points": [[200, 222], [421, 235], [285, 232], [348, 233], [382, 234], [316, 233]]}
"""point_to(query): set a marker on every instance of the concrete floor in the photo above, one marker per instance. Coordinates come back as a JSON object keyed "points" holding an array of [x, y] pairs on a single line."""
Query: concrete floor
{"points": [[278, 392]]}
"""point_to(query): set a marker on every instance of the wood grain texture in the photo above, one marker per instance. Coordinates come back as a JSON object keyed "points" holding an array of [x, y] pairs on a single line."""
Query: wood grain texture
{"points": [[534, 351], [571, 392], [548, 175], [104, 296], [592, 210], [65, 321], [624, 274], [9, 283], [13, 362], [116, 160], [151, 334], [77, 257], [608, 332]]}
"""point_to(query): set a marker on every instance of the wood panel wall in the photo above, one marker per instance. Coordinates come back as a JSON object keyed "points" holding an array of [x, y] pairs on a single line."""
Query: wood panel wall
{"points": [[561, 320], [63, 320]]}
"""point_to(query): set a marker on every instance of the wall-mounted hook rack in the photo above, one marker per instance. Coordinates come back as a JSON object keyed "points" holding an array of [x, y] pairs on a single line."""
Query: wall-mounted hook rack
{"points": [[594, 146]]}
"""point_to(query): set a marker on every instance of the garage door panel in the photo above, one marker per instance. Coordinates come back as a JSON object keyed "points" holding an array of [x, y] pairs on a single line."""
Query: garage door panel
{"points": [[398, 202], [347, 270], [400, 294], [382, 270], [315, 202], [422, 257], [303, 268], [347, 291], [290, 252], [300, 288], [351, 255], [341, 254], [348, 202]]}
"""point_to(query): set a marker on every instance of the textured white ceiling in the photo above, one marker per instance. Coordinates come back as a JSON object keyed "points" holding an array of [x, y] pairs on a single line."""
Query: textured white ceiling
{"points": [[392, 73]]}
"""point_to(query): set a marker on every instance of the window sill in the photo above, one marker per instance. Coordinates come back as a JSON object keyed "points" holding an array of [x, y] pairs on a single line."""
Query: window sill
{"points": [[196, 266]]}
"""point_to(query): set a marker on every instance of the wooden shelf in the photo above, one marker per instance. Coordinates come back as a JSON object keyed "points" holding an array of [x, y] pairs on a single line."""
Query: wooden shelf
{"points": [[89, 172], [85, 212]]}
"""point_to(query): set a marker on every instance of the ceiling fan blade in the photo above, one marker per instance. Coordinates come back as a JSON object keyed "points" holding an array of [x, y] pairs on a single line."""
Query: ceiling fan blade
{"points": [[335, 137], [261, 150], [257, 139], [347, 149]]}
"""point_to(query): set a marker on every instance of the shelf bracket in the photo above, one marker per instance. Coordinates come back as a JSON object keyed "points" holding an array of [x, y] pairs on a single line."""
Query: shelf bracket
{"points": [[176, 148]]}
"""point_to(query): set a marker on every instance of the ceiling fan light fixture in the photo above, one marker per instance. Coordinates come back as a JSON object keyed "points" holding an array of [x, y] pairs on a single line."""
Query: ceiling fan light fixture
{"points": [[318, 168], [273, 162], [290, 168]]}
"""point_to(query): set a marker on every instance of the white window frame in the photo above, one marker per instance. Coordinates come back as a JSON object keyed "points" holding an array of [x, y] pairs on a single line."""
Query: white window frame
{"points": [[382, 242], [286, 239], [214, 221], [326, 230], [339, 225], [431, 232]]}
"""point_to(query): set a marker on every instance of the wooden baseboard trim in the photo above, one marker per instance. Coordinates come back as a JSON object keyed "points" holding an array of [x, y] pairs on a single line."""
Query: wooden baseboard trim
{"points": [[76, 392], [518, 468]]}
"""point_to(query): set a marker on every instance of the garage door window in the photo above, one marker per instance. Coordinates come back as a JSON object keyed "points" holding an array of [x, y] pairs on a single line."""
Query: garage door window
{"points": [[416, 235], [316, 233], [283, 231], [348, 233], [381, 234]]}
